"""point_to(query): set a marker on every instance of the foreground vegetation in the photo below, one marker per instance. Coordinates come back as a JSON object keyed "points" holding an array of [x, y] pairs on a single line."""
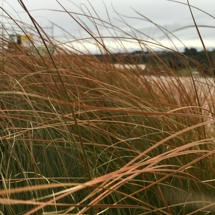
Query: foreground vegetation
{"points": [[80, 137]]}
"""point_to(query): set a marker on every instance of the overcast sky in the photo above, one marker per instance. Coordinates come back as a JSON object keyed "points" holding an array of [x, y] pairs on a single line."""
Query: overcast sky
{"points": [[148, 20]]}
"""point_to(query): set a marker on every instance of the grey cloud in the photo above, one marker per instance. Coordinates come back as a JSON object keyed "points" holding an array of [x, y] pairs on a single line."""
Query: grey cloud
{"points": [[168, 14]]}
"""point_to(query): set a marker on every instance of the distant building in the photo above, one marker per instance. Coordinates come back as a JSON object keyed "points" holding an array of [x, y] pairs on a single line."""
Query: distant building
{"points": [[195, 73]]}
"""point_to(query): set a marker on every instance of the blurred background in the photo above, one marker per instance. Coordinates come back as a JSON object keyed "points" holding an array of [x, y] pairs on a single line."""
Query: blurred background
{"points": [[159, 21]]}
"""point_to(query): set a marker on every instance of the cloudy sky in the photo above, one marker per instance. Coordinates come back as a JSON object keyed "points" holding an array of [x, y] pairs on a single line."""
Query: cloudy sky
{"points": [[134, 24]]}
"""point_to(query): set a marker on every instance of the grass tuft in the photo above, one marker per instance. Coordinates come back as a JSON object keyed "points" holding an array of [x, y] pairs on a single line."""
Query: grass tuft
{"points": [[79, 135]]}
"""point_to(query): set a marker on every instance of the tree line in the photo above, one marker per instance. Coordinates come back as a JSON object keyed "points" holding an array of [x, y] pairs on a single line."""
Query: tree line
{"points": [[190, 57]]}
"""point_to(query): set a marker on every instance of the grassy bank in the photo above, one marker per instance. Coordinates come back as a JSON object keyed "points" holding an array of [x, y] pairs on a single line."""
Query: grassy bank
{"points": [[83, 137]]}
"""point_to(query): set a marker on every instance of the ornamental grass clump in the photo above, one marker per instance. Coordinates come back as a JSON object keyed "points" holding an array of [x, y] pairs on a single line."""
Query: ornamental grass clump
{"points": [[81, 136]]}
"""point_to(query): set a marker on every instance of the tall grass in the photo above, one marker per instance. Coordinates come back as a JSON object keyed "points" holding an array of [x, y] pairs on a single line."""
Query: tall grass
{"points": [[79, 136]]}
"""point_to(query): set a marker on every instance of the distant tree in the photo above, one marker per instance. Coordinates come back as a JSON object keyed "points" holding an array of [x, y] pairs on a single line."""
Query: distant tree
{"points": [[192, 52]]}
